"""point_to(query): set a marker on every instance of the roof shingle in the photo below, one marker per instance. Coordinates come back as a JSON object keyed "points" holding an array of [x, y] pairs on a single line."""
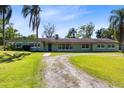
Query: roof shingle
{"points": [[75, 40]]}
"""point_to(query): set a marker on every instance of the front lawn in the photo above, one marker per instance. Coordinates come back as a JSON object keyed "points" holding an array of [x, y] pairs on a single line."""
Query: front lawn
{"points": [[21, 69], [92, 53], [1, 47], [107, 68]]}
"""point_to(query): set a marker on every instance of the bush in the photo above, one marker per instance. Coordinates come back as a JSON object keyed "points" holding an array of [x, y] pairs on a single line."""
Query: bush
{"points": [[10, 47]]}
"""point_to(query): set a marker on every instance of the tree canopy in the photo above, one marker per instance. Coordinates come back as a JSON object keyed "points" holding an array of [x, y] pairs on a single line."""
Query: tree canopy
{"points": [[117, 22], [49, 30], [105, 33], [86, 31], [71, 33]]}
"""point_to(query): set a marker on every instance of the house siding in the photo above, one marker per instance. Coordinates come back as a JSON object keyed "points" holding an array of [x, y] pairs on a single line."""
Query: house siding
{"points": [[76, 47], [106, 48], [92, 47]]}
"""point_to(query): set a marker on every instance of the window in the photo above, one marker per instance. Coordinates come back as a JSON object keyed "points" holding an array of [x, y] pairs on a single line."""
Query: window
{"points": [[18, 45], [64, 46], [38, 44], [59, 46], [100, 46], [67, 46], [70, 46], [35, 45], [113, 46], [85, 45], [109, 46], [32, 44]]}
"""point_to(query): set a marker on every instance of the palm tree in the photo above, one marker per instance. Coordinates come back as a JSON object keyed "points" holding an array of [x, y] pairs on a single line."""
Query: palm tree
{"points": [[5, 15], [34, 12], [117, 22]]}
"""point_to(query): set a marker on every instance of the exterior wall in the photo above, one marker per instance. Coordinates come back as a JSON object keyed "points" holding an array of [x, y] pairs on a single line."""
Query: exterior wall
{"points": [[92, 47], [106, 48], [75, 47], [45, 46], [22, 43], [78, 47]]}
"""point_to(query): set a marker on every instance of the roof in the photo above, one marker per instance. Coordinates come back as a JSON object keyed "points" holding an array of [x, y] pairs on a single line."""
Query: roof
{"points": [[75, 40]]}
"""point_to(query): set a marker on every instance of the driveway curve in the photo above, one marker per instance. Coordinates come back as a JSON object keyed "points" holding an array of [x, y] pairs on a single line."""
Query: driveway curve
{"points": [[59, 73]]}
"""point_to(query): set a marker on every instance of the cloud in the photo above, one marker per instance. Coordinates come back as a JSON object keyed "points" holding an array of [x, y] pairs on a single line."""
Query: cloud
{"points": [[48, 13], [67, 17], [63, 13]]}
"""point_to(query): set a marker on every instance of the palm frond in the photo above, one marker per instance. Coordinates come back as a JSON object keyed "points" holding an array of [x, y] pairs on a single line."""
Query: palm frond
{"points": [[26, 10], [8, 13], [114, 20]]}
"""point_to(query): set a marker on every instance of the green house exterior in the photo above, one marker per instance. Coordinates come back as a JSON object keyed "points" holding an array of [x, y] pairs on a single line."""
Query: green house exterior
{"points": [[67, 45]]}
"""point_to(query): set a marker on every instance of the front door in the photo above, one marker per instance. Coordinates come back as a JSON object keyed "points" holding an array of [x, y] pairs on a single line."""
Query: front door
{"points": [[49, 47]]}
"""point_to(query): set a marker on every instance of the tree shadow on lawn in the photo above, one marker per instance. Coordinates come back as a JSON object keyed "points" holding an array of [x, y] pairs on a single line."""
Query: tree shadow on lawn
{"points": [[7, 58]]}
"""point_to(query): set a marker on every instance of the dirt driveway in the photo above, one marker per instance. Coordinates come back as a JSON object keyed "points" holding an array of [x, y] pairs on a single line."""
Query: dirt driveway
{"points": [[59, 73]]}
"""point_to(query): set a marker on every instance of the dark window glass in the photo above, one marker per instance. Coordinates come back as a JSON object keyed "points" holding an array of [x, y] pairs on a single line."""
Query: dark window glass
{"points": [[63, 46], [67, 46], [59, 46], [18, 45], [102, 46], [109, 46], [35, 44], [87, 45], [31, 44], [83, 45], [113, 45], [38, 44], [98, 45], [70, 46]]}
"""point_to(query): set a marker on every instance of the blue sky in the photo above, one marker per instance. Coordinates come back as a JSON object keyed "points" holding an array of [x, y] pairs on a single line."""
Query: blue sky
{"points": [[65, 17]]}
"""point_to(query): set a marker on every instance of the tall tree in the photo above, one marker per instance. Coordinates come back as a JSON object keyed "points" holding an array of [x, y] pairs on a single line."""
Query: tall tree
{"points": [[105, 33], [11, 33], [1, 34], [34, 12], [86, 31], [32, 37], [5, 15], [71, 33], [1, 37], [117, 22], [99, 33], [49, 30]]}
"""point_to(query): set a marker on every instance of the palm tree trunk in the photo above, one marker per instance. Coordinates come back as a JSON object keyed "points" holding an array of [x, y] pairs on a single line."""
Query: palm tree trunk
{"points": [[3, 30], [37, 37], [121, 34]]}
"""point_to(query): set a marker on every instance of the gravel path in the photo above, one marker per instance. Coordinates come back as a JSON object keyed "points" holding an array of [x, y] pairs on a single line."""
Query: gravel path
{"points": [[59, 73]]}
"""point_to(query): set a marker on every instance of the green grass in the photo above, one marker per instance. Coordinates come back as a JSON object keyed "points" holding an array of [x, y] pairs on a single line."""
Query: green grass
{"points": [[62, 53], [57, 53], [1, 47], [107, 68], [22, 72]]}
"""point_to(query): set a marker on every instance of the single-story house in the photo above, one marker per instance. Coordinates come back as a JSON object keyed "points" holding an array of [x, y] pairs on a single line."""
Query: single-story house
{"points": [[66, 44]]}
